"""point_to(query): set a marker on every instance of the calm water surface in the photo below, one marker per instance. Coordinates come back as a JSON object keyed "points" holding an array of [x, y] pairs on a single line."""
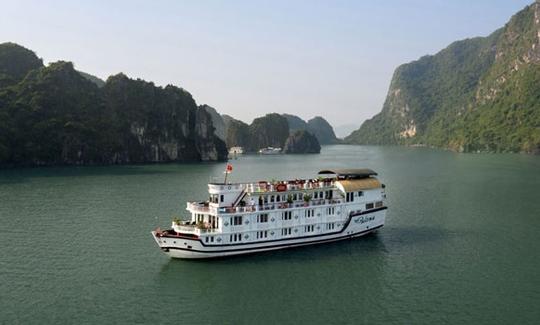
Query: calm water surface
{"points": [[461, 245]]}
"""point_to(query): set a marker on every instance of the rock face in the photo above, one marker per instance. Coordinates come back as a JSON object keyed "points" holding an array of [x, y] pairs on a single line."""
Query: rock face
{"points": [[478, 94], [55, 116], [15, 63], [217, 121], [322, 130], [317, 126], [301, 141], [295, 123], [270, 130]]}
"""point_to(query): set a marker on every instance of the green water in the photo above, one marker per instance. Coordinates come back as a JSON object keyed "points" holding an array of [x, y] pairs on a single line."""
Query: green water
{"points": [[461, 245]]}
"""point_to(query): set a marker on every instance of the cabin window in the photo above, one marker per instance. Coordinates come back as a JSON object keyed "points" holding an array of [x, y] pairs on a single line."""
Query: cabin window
{"points": [[309, 213], [378, 204], [237, 220], [320, 194], [295, 197], [286, 215], [278, 198], [286, 231], [330, 226], [206, 239], [272, 199], [316, 195], [369, 206], [360, 193], [221, 198], [309, 228], [235, 237], [263, 217], [262, 234], [330, 210]]}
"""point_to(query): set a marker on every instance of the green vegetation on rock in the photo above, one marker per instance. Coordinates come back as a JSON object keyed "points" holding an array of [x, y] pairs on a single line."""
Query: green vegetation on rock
{"points": [[302, 141], [54, 115], [480, 94], [317, 126]]}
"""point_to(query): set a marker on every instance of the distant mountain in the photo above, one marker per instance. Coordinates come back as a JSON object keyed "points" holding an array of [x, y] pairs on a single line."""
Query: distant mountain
{"points": [[100, 83], [345, 129], [302, 141], [15, 63], [295, 123], [271, 130], [52, 115], [317, 126], [479, 94], [217, 120]]}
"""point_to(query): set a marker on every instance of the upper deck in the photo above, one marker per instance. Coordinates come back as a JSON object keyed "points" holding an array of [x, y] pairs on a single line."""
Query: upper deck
{"points": [[269, 195]]}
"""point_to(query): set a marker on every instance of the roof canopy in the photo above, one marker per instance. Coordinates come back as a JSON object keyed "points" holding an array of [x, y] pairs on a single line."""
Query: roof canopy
{"points": [[350, 173], [353, 185]]}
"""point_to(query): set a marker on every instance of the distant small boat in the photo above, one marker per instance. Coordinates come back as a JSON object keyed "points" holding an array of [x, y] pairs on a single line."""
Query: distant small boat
{"points": [[236, 151], [270, 151]]}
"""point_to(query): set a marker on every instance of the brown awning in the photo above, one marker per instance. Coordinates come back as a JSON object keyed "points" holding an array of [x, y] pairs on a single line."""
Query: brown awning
{"points": [[350, 173], [353, 185]]}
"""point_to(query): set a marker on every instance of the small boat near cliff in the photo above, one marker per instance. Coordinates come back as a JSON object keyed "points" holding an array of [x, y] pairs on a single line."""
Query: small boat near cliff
{"points": [[270, 151], [241, 218]]}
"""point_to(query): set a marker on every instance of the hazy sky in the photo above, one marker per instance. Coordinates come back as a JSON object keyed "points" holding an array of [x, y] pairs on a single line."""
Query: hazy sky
{"points": [[247, 58]]}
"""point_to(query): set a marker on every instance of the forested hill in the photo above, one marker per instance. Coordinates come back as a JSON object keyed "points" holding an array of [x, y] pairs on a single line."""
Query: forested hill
{"points": [[317, 126], [53, 115], [479, 94]]}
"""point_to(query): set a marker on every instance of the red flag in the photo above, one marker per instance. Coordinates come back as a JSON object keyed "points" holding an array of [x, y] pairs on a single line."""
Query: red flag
{"points": [[229, 168]]}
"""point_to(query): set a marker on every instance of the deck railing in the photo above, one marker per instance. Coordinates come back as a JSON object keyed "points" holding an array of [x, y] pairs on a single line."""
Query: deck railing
{"points": [[201, 207]]}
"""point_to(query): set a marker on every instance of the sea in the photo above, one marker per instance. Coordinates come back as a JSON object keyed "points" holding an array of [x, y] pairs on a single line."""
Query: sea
{"points": [[461, 245]]}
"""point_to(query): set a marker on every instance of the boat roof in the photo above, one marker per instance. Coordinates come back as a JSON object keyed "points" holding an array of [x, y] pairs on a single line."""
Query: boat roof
{"points": [[350, 172], [353, 185]]}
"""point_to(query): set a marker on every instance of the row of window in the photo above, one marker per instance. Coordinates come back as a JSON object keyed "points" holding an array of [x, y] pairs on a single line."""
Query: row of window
{"points": [[217, 198], [262, 234], [350, 196], [263, 217], [233, 238], [294, 196], [286, 215], [286, 231]]}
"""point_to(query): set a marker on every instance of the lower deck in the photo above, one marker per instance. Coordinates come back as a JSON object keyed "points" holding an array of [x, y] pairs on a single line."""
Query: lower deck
{"points": [[181, 246]]}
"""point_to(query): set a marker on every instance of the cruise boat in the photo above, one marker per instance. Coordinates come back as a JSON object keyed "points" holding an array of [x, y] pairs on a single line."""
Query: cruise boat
{"points": [[242, 218], [270, 151], [236, 151]]}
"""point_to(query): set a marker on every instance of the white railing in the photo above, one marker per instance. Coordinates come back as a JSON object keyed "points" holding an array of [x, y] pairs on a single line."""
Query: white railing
{"points": [[270, 187], [190, 229], [198, 207]]}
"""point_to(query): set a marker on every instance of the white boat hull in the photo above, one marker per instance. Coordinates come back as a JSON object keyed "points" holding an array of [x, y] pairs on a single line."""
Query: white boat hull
{"points": [[193, 248]]}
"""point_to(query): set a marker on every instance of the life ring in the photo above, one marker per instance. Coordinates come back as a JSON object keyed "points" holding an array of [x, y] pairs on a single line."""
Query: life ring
{"points": [[281, 187]]}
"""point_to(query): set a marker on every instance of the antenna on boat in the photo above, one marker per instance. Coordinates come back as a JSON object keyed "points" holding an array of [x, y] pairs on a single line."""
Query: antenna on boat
{"points": [[228, 170]]}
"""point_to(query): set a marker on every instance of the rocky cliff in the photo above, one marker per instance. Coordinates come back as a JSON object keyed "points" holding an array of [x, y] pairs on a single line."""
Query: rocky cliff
{"points": [[301, 141], [53, 115], [478, 94], [317, 126], [218, 121]]}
